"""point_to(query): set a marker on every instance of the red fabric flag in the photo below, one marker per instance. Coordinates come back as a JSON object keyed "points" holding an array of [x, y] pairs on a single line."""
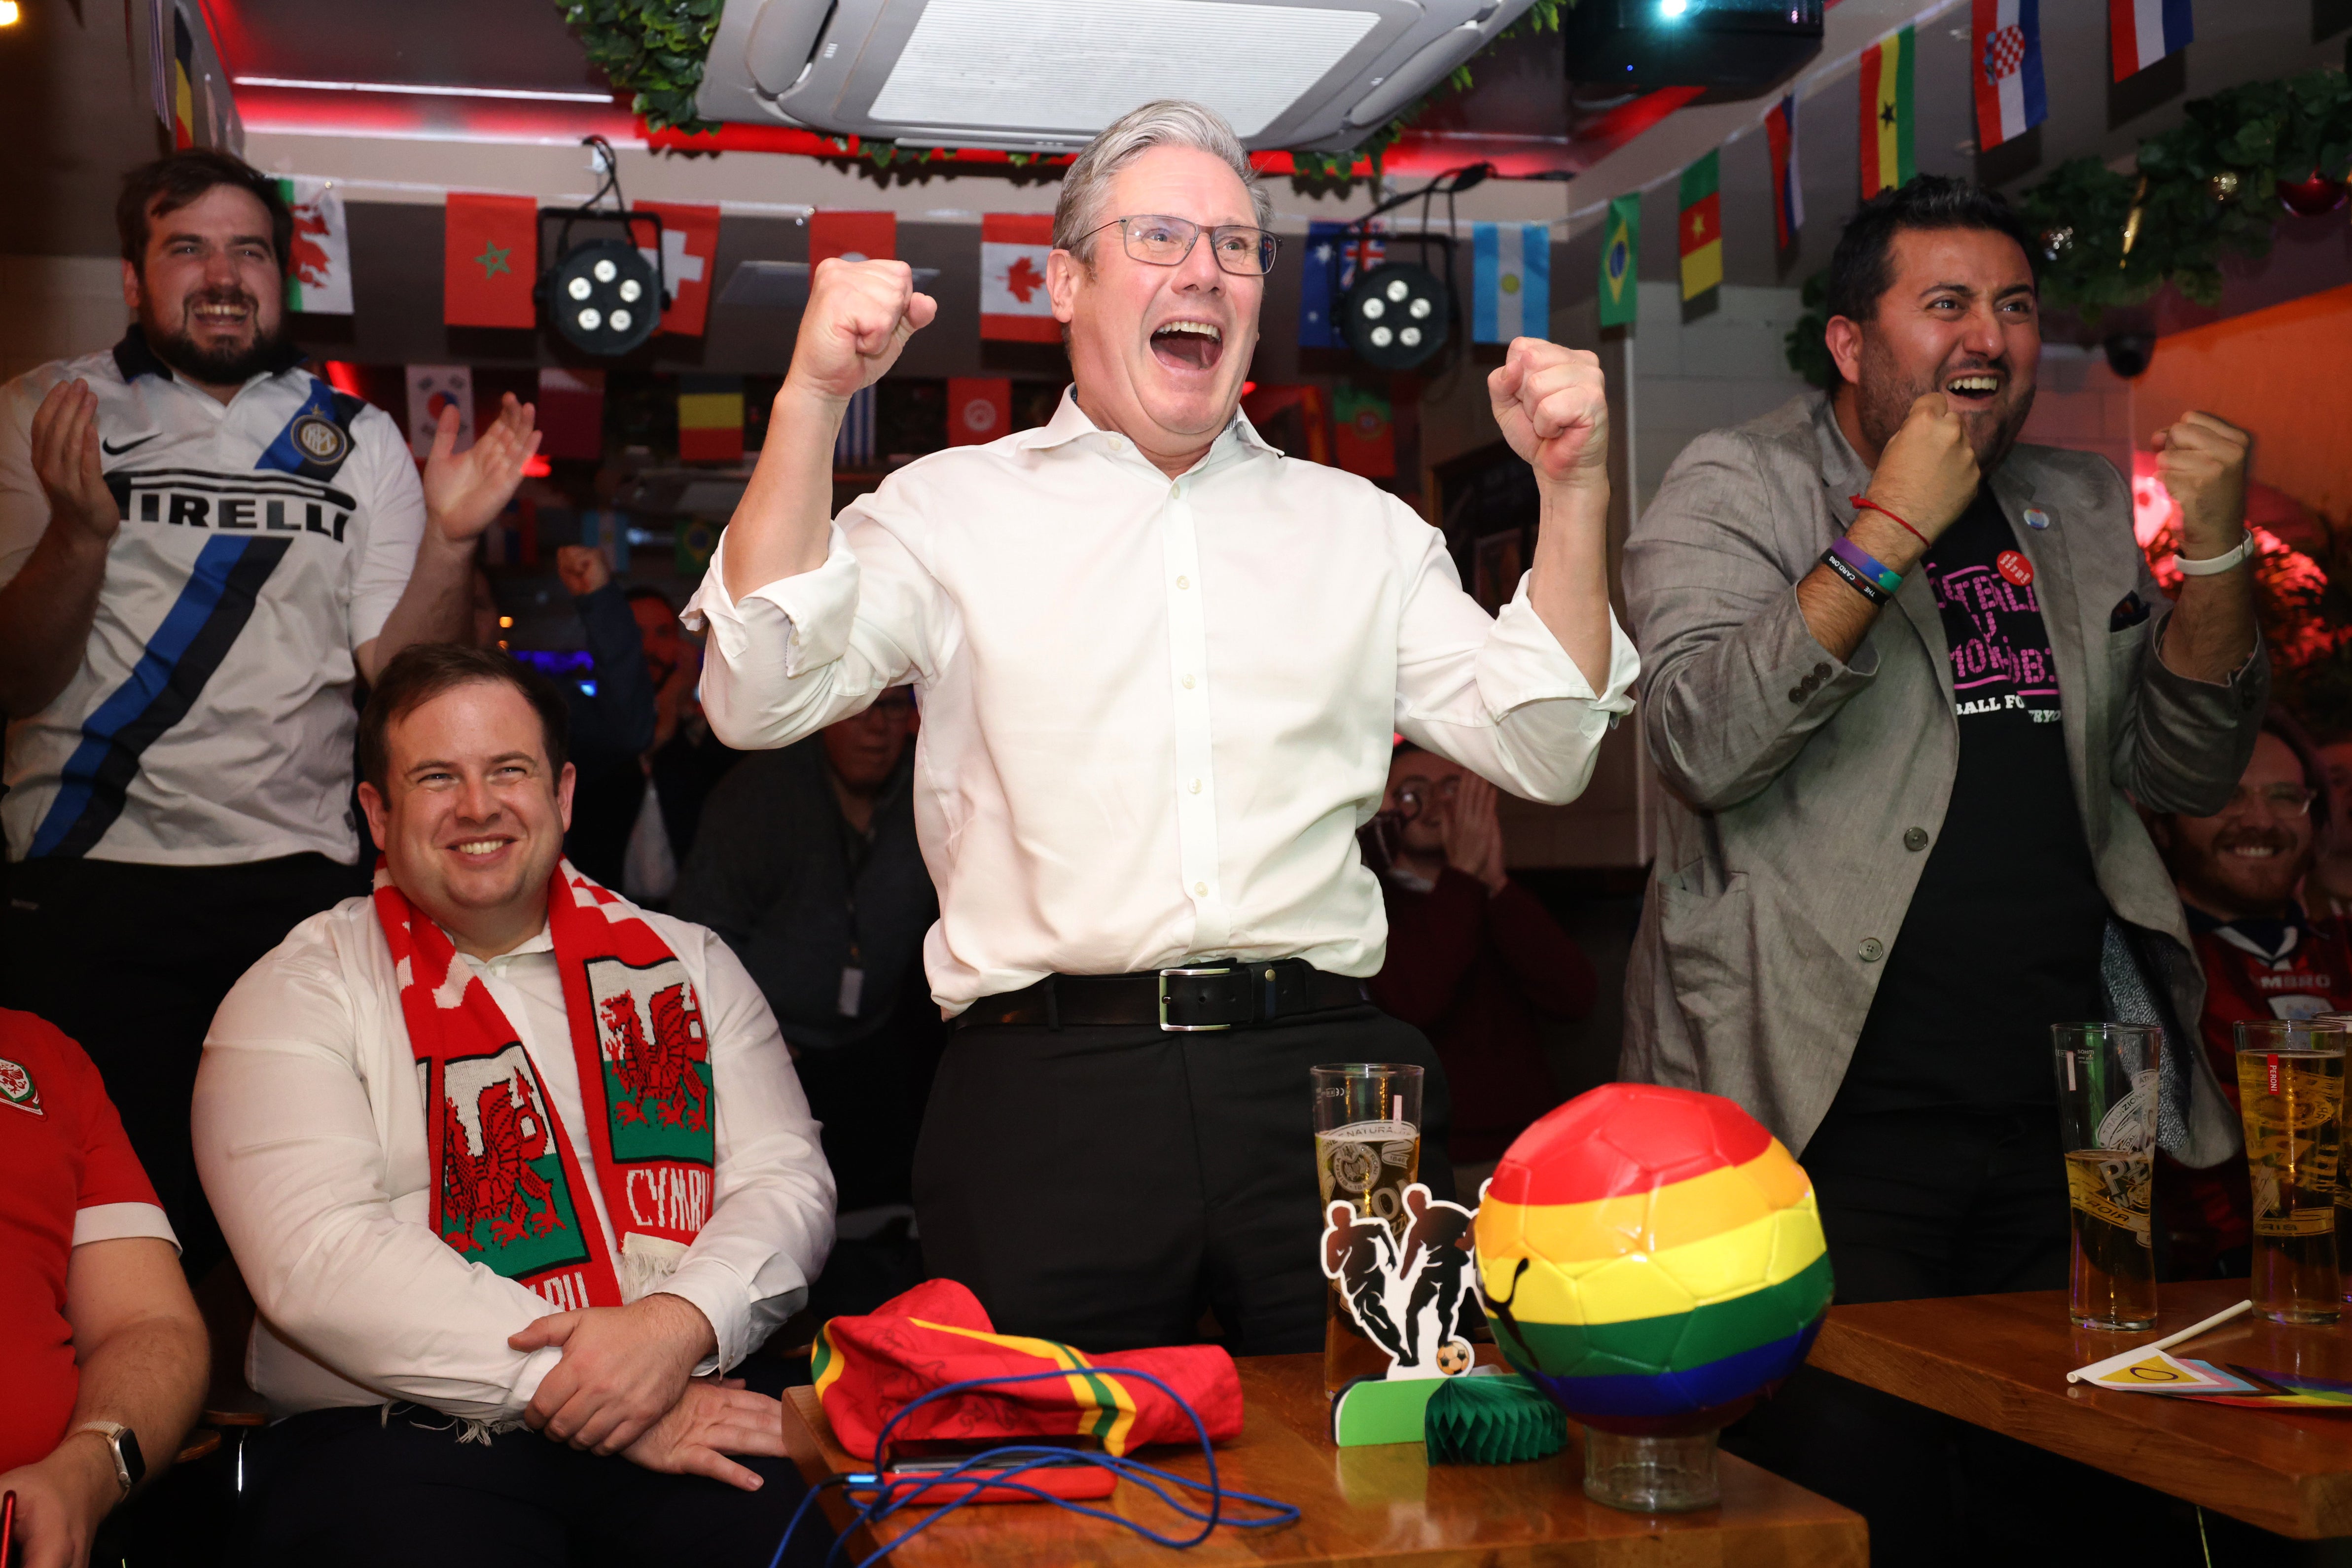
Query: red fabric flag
{"points": [[860, 236], [689, 255], [980, 409], [1013, 299], [489, 261], [1363, 432], [571, 413]]}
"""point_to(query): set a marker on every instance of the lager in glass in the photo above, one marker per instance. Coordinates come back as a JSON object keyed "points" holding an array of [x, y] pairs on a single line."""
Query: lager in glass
{"points": [[2107, 1096], [2291, 1096]]}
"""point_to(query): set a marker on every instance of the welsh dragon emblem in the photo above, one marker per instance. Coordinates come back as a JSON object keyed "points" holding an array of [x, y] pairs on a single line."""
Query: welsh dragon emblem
{"points": [[495, 1182], [658, 1073]]}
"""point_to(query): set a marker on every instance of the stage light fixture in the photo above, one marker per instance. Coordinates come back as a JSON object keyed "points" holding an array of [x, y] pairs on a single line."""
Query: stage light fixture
{"points": [[1398, 315], [603, 295]]}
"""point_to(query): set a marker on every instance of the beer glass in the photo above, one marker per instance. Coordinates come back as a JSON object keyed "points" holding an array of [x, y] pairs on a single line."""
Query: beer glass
{"points": [[1366, 1151], [2108, 1091], [2343, 1197], [2291, 1096]]}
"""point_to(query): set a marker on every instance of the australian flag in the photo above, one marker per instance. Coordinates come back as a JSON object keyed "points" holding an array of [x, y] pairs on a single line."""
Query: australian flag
{"points": [[1333, 254]]}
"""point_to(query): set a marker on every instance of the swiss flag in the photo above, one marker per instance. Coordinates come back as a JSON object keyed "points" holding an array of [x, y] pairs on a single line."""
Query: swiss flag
{"points": [[856, 236], [980, 409], [1013, 299], [689, 254], [490, 260]]}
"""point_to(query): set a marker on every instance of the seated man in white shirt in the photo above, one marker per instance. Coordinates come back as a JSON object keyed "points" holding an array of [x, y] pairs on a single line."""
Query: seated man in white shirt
{"points": [[489, 1087], [1160, 666]]}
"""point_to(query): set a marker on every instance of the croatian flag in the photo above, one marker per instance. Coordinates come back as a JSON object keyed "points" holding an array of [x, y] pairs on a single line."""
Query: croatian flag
{"points": [[2142, 32], [2010, 98], [1512, 280], [1788, 184]]}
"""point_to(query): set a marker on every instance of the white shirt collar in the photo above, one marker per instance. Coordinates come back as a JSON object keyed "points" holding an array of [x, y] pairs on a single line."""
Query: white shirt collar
{"points": [[1070, 424]]}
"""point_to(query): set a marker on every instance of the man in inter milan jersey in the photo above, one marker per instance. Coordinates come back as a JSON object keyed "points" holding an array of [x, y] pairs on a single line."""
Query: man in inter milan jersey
{"points": [[202, 547], [1906, 677], [517, 1172], [2263, 957]]}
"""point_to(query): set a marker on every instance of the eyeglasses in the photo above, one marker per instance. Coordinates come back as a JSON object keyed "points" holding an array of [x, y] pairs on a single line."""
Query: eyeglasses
{"points": [[1167, 241], [1414, 791], [2278, 800]]}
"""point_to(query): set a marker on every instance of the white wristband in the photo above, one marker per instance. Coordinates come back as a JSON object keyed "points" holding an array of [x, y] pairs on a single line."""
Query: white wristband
{"points": [[2217, 563]]}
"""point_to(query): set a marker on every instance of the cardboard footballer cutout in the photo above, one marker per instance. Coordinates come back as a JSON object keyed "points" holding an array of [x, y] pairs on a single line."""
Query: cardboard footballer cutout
{"points": [[1408, 1295]]}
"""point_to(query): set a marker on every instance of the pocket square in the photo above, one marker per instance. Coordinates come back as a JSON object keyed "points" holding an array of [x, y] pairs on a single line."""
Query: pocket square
{"points": [[2130, 610]]}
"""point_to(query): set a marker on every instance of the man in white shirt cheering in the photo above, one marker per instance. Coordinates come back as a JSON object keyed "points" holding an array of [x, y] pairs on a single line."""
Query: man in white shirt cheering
{"points": [[491, 1087], [1160, 665], [201, 548]]}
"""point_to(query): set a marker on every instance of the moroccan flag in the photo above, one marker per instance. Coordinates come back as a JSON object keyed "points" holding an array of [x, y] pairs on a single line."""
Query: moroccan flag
{"points": [[1888, 114], [1788, 185], [710, 418], [980, 409], [1621, 261], [571, 413], [2142, 32], [689, 254], [490, 260], [1364, 432], [1701, 230], [1013, 300], [318, 273], [858, 237], [2009, 100]]}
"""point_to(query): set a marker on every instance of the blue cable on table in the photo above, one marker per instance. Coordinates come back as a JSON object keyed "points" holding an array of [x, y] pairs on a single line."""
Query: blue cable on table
{"points": [[892, 1496]]}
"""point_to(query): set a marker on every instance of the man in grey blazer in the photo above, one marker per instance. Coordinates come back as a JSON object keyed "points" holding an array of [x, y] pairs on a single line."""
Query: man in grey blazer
{"points": [[1904, 680]]}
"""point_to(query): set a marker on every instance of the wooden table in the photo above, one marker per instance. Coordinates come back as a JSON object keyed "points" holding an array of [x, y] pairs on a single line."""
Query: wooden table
{"points": [[2001, 1362], [1383, 1505]]}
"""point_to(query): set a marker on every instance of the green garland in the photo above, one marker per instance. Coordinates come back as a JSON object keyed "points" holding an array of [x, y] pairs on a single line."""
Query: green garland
{"points": [[656, 49]]}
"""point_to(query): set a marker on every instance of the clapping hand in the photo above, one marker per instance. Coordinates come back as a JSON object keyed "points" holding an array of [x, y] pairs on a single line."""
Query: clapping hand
{"points": [[1553, 408], [464, 493], [66, 461]]}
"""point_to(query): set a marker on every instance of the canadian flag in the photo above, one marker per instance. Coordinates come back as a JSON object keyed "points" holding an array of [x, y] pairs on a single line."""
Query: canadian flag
{"points": [[1013, 299], [689, 254]]}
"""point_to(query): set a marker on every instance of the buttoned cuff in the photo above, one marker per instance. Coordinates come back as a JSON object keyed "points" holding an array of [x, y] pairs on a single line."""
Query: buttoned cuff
{"points": [[1524, 663], [815, 610], [719, 1294]]}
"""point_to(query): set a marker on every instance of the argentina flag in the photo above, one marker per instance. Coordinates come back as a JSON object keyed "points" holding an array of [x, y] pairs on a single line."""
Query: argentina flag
{"points": [[1511, 287]]}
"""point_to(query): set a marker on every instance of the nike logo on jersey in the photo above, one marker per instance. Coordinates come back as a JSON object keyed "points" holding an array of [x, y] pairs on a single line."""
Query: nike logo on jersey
{"points": [[111, 451], [257, 503]]}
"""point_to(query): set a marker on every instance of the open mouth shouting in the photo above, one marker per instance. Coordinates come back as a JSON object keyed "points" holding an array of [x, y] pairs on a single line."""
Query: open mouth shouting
{"points": [[221, 315], [1188, 345], [1973, 391]]}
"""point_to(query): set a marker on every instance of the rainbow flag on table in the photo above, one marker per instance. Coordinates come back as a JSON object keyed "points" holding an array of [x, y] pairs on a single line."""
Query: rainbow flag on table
{"points": [[1701, 230], [1888, 114]]}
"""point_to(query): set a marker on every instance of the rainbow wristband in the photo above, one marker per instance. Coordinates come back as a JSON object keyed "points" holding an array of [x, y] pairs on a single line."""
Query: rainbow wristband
{"points": [[1877, 580]]}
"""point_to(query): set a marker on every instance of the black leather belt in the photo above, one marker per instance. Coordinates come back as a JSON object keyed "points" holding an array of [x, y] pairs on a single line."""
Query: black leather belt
{"points": [[1209, 993]]}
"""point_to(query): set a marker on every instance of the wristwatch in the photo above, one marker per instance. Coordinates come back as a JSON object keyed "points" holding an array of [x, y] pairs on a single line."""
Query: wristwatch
{"points": [[124, 1444]]}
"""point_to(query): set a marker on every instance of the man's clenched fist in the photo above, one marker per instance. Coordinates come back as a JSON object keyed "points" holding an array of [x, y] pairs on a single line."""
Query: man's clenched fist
{"points": [[2202, 462], [1552, 406], [859, 315], [1927, 474]]}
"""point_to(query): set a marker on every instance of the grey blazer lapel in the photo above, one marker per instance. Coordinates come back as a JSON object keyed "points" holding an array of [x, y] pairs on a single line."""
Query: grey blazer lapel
{"points": [[1843, 476]]}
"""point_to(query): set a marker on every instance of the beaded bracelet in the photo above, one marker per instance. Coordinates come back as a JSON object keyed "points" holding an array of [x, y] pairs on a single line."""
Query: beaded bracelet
{"points": [[1870, 577]]}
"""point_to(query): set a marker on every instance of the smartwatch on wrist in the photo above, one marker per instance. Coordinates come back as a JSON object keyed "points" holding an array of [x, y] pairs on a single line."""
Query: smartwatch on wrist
{"points": [[130, 1465]]}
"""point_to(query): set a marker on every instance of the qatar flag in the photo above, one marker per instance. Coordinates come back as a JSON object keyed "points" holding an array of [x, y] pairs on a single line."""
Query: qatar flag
{"points": [[1013, 303], [2010, 97]]}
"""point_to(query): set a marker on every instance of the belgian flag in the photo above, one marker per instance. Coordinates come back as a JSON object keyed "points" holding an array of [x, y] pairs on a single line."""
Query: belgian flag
{"points": [[184, 83]]}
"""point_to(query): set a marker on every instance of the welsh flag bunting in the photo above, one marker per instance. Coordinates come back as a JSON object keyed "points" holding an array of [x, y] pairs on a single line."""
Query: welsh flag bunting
{"points": [[318, 273], [1701, 228], [1012, 301], [689, 254], [489, 261], [1888, 114]]}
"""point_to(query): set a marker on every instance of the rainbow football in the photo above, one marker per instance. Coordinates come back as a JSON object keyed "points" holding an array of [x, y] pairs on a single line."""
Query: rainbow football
{"points": [[1652, 1258]]}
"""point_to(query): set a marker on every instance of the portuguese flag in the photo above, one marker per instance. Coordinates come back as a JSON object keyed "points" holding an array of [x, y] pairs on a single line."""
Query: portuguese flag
{"points": [[1888, 114], [1702, 225]]}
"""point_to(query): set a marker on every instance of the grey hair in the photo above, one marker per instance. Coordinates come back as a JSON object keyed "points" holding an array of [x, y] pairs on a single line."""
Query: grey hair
{"points": [[1167, 122]]}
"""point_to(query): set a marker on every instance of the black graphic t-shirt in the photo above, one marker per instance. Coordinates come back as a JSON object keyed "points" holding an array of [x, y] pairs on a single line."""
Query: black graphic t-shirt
{"points": [[2002, 937]]}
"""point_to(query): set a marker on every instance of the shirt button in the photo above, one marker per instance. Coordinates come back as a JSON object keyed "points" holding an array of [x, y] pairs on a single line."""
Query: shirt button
{"points": [[1200, 889], [1183, 582], [1821, 672], [1196, 787], [1116, 445], [1175, 493], [1188, 683], [1915, 838], [1872, 950]]}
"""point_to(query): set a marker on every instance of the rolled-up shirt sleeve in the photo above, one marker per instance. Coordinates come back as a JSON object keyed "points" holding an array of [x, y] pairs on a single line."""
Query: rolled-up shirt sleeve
{"points": [[770, 1224], [295, 1167], [1500, 696]]}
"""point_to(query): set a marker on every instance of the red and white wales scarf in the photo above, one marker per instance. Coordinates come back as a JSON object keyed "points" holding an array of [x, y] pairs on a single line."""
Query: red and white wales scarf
{"points": [[508, 1192]]}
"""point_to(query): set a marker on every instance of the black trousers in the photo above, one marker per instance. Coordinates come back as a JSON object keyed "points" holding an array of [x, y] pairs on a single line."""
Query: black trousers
{"points": [[359, 1489], [1929, 1203], [1103, 1185], [132, 962]]}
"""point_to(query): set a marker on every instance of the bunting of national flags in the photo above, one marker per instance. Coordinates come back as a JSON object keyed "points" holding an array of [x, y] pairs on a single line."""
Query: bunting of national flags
{"points": [[2008, 76], [1888, 111], [853, 445], [1014, 304], [688, 257], [1621, 261], [318, 272], [710, 418], [1511, 282], [1327, 272], [490, 260], [1700, 230], [2142, 32]]}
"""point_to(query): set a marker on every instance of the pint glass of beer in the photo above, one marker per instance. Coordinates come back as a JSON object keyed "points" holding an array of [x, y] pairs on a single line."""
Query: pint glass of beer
{"points": [[2291, 1096], [2343, 1197], [1366, 1151], [2106, 1110]]}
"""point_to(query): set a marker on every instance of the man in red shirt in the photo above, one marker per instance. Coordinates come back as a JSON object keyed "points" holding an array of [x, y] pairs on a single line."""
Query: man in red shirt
{"points": [[2263, 958], [1475, 962], [102, 1357]]}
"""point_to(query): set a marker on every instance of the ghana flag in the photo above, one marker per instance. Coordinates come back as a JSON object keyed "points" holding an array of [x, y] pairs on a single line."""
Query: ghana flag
{"points": [[1888, 114], [1647, 1253], [867, 1369]]}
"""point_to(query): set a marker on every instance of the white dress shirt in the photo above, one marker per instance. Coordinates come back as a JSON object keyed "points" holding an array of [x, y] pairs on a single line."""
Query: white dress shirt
{"points": [[1155, 711], [310, 1134]]}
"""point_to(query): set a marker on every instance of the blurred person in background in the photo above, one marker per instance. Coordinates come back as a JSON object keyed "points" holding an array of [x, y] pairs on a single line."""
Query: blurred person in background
{"points": [[686, 760]]}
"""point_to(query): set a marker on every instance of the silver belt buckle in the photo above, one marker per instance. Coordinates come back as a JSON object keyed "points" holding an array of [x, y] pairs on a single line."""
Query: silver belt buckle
{"points": [[1168, 1027]]}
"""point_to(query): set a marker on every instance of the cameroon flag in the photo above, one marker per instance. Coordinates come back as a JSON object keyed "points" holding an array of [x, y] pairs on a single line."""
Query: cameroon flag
{"points": [[710, 418], [1621, 261], [1888, 114], [1702, 226]]}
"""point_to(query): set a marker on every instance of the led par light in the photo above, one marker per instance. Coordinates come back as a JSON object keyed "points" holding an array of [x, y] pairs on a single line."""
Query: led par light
{"points": [[604, 296], [1397, 315]]}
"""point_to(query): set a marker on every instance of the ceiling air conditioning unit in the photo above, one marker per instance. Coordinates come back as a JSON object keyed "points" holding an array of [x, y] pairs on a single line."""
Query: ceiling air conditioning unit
{"points": [[1044, 76]]}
